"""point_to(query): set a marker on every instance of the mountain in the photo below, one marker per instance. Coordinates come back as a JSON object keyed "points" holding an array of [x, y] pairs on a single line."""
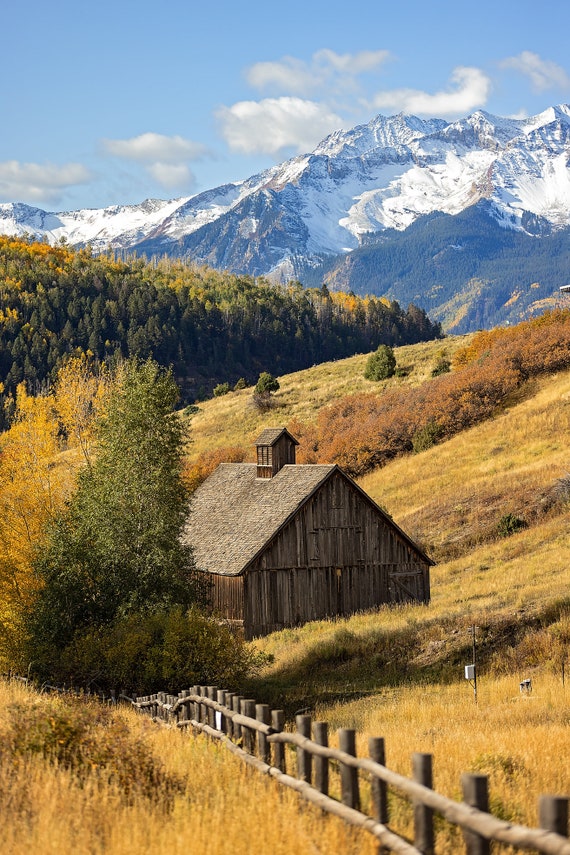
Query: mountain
{"points": [[363, 191]]}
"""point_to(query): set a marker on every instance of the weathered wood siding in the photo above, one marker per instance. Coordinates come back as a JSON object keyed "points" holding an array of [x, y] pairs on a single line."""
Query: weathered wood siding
{"points": [[227, 596], [336, 557]]}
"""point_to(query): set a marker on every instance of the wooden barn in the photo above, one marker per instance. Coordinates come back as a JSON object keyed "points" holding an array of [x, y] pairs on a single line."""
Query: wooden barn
{"points": [[286, 543]]}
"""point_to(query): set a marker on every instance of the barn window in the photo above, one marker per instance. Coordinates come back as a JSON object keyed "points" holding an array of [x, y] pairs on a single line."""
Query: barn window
{"points": [[264, 455]]}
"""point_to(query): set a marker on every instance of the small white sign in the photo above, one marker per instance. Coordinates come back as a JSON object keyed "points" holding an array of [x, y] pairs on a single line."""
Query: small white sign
{"points": [[218, 720], [470, 672]]}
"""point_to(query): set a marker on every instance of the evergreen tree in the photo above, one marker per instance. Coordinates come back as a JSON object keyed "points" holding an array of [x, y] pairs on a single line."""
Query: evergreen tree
{"points": [[116, 549], [381, 364]]}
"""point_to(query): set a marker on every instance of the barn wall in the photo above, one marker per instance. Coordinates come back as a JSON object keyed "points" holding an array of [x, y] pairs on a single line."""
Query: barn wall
{"points": [[226, 596], [336, 557]]}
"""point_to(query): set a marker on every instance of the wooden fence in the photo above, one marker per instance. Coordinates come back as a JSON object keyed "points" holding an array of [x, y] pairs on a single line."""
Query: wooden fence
{"points": [[257, 734]]}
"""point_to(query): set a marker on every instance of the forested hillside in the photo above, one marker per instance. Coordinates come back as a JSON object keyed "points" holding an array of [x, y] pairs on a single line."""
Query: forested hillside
{"points": [[211, 327], [466, 270]]}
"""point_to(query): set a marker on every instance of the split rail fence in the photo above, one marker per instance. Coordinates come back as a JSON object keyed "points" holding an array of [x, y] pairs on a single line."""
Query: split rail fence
{"points": [[257, 734]]}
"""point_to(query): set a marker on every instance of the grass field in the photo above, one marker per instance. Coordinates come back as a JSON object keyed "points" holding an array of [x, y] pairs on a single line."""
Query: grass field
{"points": [[395, 672]]}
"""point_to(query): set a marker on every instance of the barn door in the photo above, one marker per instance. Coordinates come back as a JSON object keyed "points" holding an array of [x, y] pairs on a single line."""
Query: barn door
{"points": [[407, 584]]}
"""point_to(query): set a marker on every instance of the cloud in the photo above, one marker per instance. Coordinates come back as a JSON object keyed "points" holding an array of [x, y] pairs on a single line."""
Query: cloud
{"points": [[469, 89], [155, 148], [543, 73], [171, 175], [34, 182], [273, 124], [164, 158], [326, 70]]}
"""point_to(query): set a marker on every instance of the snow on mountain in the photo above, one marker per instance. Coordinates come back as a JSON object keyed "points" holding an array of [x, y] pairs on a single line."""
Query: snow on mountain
{"points": [[384, 174]]}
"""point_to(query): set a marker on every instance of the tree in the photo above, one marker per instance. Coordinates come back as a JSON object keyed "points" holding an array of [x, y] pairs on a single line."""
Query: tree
{"points": [[381, 364], [266, 383], [115, 550]]}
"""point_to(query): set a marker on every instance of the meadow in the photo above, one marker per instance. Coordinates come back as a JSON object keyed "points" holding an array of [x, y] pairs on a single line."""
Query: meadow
{"points": [[396, 672]]}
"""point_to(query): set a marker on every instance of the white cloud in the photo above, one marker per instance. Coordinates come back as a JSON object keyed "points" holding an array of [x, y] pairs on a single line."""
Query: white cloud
{"points": [[274, 124], [35, 182], [543, 73], [164, 158], [171, 176], [469, 89], [155, 148], [327, 69]]}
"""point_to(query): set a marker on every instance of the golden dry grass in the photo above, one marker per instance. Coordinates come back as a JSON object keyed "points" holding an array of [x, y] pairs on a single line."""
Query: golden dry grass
{"points": [[225, 807], [233, 420]]}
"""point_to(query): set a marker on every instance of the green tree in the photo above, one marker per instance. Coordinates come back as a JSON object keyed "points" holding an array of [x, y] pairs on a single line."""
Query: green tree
{"points": [[116, 549], [266, 383], [381, 364]]}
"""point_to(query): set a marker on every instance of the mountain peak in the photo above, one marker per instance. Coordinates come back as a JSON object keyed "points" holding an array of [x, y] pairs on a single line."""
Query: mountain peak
{"points": [[384, 174]]}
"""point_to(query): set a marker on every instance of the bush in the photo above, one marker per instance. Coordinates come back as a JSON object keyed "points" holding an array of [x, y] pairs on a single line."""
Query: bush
{"points": [[426, 437], [266, 383], [241, 384], [87, 739], [442, 366], [381, 364], [146, 652], [510, 524], [221, 389]]}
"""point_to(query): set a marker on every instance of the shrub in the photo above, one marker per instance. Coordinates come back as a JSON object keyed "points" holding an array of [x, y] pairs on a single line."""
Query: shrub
{"points": [[160, 650], [88, 739], [381, 364], [190, 410], [426, 437], [208, 461], [510, 524], [241, 384], [266, 383], [442, 366], [221, 389]]}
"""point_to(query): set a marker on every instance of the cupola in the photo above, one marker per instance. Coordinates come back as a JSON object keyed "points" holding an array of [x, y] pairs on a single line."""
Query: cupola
{"points": [[275, 449]]}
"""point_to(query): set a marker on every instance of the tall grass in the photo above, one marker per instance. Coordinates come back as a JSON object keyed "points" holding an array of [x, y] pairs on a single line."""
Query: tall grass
{"points": [[220, 805]]}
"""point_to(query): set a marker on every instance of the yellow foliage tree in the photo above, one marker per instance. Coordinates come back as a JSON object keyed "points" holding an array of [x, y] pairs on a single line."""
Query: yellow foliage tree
{"points": [[79, 400], [30, 487], [38, 464]]}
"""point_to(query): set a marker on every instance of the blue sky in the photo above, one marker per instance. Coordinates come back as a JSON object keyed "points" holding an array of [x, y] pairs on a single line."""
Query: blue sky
{"points": [[116, 102]]}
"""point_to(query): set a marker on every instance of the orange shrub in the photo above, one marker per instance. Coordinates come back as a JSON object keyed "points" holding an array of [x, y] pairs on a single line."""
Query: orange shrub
{"points": [[208, 461]]}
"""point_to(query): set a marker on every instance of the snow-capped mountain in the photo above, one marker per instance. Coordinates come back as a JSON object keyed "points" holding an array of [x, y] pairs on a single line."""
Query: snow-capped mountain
{"points": [[386, 174]]}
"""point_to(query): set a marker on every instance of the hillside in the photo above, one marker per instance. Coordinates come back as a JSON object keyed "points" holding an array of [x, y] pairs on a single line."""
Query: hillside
{"points": [[210, 327], [452, 498]]}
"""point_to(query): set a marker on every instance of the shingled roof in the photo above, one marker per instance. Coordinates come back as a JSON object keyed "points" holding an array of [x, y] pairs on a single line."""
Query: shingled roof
{"points": [[270, 436], [234, 513]]}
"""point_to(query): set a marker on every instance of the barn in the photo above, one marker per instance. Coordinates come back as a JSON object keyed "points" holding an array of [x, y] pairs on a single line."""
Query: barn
{"points": [[286, 543]]}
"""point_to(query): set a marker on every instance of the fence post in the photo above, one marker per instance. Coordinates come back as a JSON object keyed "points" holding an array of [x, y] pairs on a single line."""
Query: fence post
{"points": [[212, 693], [377, 752], [304, 764], [248, 709], [195, 709], [321, 737], [476, 793], [184, 708], [236, 702], [553, 814], [263, 715], [229, 723], [278, 723], [348, 775], [423, 816]]}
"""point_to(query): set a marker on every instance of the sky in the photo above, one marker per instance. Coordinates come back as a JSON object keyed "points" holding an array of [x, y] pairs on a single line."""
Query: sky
{"points": [[116, 102]]}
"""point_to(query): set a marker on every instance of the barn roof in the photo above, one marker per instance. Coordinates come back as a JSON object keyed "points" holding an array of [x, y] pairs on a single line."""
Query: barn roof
{"points": [[234, 514], [270, 436]]}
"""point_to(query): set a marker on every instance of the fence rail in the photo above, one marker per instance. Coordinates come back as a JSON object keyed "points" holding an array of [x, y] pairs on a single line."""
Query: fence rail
{"points": [[257, 735]]}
